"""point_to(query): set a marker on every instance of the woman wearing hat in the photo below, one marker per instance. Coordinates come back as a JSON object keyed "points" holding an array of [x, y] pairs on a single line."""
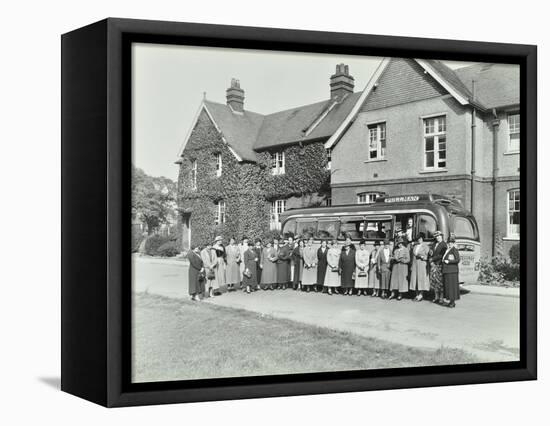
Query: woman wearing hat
{"points": [[436, 256], [322, 264], [298, 260], [233, 270], [220, 254], [196, 273], [374, 281], [451, 258], [398, 283], [332, 276], [268, 263], [283, 264], [383, 266], [362, 269], [309, 275], [347, 266], [250, 262], [419, 268]]}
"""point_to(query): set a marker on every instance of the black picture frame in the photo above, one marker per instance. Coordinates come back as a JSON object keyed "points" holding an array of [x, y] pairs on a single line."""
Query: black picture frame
{"points": [[96, 172]]}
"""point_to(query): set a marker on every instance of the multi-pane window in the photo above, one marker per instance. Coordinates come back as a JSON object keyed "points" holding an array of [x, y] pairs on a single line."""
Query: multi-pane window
{"points": [[513, 130], [328, 201], [218, 165], [367, 197], [194, 174], [329, 158], [377, 141], [278, 163], [220, 212], [435, 143], [277, 207], [513, 213]]}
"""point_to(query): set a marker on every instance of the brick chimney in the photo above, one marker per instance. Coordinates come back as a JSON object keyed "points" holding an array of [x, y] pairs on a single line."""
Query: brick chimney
{"points": [[341, 83], [235, 96]]}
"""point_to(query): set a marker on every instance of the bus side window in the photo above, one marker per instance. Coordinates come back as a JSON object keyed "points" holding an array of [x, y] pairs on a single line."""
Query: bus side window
{"points": [[427, 225], [306, 229], [327, 229], [378, 229], [352, 226], [290, 227]]}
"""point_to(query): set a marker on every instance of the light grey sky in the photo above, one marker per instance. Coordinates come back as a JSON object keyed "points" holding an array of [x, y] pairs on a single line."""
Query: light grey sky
{"points": [[168, 84]]}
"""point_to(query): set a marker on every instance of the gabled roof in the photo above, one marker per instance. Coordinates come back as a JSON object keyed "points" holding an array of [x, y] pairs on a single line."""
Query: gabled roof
{"points": [[496, 85], [240, 130]]}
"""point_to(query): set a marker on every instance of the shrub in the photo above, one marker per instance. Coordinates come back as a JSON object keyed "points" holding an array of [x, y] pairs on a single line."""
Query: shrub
{"points": [[137, 238], [514, 254], [153, 243], [497, 270], [169, 249]]}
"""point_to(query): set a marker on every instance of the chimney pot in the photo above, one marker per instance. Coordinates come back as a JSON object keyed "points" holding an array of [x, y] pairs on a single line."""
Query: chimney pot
{"points": [[341, 83], [235, 96]]}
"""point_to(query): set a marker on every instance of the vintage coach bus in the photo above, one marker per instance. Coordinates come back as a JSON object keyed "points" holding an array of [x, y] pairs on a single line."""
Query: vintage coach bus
{"points": [[387, 215]]}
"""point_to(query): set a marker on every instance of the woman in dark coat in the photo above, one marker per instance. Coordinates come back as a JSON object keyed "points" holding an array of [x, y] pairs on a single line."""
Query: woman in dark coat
{"points": [[451, 258], [298, 258], [196, 273], [284, 255], [437, 251], [250, 266], [347, 267], [321, 264], [258, 249]]}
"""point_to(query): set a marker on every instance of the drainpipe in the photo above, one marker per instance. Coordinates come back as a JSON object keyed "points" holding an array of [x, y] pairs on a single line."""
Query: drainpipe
{"points": [[473, 160], [495, 123]]}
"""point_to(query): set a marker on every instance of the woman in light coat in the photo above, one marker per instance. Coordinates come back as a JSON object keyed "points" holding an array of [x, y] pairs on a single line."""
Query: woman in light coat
{"points": [[210, 262], [362, 269], [233, 259], [220, 254], [374, 275], [419, 268], [400, 270], [309, 275], [332, 277], [268, 263]]}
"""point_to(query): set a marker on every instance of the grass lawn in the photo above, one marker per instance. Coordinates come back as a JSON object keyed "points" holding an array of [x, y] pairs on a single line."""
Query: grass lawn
{"points": [[179, 340]]}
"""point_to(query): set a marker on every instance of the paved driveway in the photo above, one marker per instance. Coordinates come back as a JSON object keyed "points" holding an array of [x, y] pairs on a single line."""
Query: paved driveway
{"points": [[485, 325]]}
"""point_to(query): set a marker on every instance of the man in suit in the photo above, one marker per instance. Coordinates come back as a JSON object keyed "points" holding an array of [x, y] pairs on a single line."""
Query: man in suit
{"points": [[384, 267]]}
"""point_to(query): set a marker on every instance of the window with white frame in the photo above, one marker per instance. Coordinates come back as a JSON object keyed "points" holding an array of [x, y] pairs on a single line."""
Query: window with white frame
{"points": [[513, 213], [194, 174], [220, 213], [278, 163], [367, 197], [218, 165], [329, 158], [513, 131], [435, 143], [377, 141], [277, 207]]}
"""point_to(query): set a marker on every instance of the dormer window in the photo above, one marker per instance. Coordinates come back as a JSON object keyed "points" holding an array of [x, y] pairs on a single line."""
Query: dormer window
{"points": [[278, 163], [218, 165]]}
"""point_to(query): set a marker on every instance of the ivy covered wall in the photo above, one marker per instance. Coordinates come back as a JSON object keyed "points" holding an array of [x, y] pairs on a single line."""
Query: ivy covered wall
{"points": [[247, 188]]}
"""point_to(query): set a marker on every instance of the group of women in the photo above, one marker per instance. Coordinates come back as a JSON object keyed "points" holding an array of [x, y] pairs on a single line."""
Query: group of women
{"points": [[389, 271]]}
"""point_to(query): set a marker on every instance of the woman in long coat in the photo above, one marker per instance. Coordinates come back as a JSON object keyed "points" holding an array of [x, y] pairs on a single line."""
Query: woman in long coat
{"points": [[419, 268], [374, 275], [400, 270], [384, 267], [437, 251], [220, 253], [210, 261], [268, 263], [362, 269], [283, 265], [249, 274], [347, 267], [298, 261], [309, 274], [233, 270], [332, 276], [322, 264], [196, 268], [451, 258]]}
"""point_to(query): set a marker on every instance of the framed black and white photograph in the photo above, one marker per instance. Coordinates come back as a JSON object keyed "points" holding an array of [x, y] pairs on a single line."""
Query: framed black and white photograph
{"points": [[279, 212]]}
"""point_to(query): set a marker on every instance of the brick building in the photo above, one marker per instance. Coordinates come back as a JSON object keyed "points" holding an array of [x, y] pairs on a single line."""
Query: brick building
{"points": [[238, 170], [421, 127]]}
